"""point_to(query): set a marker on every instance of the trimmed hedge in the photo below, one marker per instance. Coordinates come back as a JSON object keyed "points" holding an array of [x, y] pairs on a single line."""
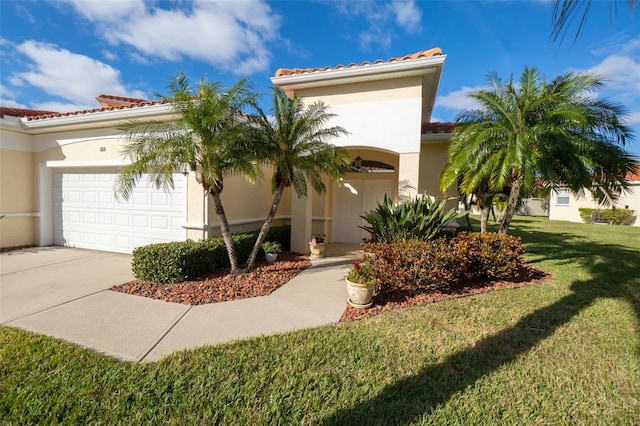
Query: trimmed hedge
{"points": [[465, 260], [610, 216], [183, 260]]}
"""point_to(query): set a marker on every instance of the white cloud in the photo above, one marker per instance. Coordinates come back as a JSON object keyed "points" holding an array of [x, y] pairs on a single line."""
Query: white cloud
{"points": [[108, 11], [109, 55], [63, 106], [458, 100], [6, 92], [232, 35], [76, 78], [10, 103], [407, 15], [8, 98], [633, 119], [381, 18], [631, 46], [620, 73]]}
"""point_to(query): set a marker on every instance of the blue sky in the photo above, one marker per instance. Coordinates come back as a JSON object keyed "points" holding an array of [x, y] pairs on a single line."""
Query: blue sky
{"points": [[58, 55]]}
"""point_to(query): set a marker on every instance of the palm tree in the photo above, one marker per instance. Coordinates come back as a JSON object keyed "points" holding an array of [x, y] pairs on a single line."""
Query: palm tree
{"points": [[534, 131], [210, 137], [294, 143], [565, 11]]}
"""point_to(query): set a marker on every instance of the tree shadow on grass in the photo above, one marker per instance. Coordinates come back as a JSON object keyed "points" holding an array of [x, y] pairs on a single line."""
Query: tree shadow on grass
{"points": [[613, 273]]}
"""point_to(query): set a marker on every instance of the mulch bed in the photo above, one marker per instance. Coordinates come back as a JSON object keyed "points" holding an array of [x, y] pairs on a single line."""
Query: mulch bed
{"points": [[220, 286], [265, 278], [393, 298], [12, 248]]}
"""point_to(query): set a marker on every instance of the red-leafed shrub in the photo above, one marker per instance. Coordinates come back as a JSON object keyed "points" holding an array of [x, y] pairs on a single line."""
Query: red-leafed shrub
{"points": [[465, 260], [490, 256]]}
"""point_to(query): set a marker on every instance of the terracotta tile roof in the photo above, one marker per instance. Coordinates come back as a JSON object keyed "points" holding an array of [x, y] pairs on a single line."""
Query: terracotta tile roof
{"points": [[125, 103], [112, 100], [437, 127], [22, 112], [436, 51], [634, 176]]}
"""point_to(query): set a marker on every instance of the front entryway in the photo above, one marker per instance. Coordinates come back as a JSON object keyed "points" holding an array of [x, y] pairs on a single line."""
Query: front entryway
{"points": [[353, 198], [87, 215]]}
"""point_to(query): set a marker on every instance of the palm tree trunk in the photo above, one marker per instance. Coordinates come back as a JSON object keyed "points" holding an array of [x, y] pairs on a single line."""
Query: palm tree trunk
{"points": [[514, 197], [265, 227], [484, 202], [226, 232], [484, 219], [465, 203]]}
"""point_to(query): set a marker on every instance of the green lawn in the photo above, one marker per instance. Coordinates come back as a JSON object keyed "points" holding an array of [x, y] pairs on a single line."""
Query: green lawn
{"points": [[562, 352]]}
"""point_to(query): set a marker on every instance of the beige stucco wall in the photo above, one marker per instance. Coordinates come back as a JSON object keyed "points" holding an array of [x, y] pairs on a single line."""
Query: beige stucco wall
{"points": [[17, 231], [72, 147], [433, 158], [17, 198], [571, 213], [383, 114], [247, 205], [16, 181]]}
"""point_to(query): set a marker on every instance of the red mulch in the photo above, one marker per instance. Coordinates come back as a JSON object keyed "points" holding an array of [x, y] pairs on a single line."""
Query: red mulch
{"points": [[220, 286], [392, 298], [5, 249], [265, 278]]}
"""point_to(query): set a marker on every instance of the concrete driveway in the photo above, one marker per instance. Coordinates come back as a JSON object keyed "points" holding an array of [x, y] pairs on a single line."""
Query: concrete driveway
{"points": [[33, 280], [63, 292]]}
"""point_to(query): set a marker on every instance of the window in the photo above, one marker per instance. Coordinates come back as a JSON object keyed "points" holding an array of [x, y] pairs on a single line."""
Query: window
{"points": [[563, 197]]}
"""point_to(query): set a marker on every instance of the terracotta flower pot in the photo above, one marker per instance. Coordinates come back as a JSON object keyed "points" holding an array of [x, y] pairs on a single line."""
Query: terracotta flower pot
{"points": [[359, 295]]}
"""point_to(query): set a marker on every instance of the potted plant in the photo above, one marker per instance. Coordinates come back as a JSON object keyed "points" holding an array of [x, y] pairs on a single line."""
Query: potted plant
{"points": [[317, 244], [271, 250], [361, 282]]}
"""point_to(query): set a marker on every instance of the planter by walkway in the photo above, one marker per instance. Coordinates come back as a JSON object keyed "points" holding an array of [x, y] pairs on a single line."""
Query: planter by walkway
{"points": [[317, 249], [359, 295]]}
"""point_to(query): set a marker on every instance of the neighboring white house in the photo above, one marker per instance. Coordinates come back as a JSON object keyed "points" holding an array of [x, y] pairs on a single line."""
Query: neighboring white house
{"points": [[565, 205], [57, 170]]}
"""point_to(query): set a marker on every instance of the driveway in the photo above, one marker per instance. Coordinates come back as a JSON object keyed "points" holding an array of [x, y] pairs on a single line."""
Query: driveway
{"points": [[33, 280], [62, 292]]}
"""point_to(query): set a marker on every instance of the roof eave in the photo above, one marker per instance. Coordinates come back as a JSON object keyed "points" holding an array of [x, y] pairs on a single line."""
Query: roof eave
{"points": [[97, 119], [358, 73], [435, 137]]}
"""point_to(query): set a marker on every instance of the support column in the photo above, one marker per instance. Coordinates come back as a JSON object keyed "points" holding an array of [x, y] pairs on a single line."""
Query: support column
{"points": [[45, 206], [197, 220], [301, 209], [409, 173]]}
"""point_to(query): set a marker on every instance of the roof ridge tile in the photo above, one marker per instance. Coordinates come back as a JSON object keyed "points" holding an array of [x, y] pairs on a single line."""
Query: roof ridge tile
{"points": [[283, 72]]}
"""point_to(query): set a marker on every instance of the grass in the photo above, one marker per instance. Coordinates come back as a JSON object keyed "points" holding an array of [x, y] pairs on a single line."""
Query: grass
{"points": [[562, 352]]}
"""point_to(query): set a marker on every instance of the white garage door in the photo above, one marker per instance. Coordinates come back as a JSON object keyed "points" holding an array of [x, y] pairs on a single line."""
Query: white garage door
{"points": [[353, 198], [86, 213]]}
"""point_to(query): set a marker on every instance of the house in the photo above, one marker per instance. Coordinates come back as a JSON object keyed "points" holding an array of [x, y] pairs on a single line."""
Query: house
{"points": [[57, 170], [565, 205]]}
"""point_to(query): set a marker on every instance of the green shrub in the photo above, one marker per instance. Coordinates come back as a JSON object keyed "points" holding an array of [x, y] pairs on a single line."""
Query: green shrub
{"points": [[611, 216], [271, 247], [465, 260], [175, 261], [422, 218], [183, 260]]}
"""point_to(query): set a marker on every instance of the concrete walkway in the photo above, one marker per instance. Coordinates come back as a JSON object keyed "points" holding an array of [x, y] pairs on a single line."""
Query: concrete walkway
{"points": [[63, 293]]}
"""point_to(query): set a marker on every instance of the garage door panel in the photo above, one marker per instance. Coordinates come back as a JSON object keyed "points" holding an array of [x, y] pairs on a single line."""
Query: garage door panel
{"points": [[86, 213], [105, 219], [106, 240]]}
